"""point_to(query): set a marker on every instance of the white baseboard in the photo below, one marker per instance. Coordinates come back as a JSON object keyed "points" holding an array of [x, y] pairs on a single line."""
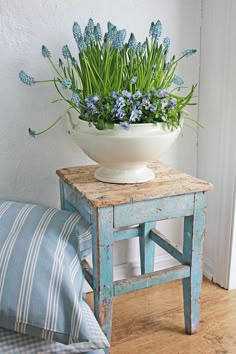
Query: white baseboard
{"points": [[128, 270], [208, 269]]}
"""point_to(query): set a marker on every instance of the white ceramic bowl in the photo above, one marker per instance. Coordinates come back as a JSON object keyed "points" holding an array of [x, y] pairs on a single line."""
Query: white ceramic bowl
{"points": [[124, 154]]}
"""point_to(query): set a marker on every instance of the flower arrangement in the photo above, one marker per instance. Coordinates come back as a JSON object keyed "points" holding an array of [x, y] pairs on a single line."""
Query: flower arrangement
{"points": [[113, 81]]}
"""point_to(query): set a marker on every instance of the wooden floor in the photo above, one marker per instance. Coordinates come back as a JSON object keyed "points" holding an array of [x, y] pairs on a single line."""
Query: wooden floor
{"points": [[151, 321]]}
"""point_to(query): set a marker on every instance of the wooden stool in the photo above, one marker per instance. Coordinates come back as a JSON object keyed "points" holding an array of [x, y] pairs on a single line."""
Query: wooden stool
{"points": [[112, 208]]}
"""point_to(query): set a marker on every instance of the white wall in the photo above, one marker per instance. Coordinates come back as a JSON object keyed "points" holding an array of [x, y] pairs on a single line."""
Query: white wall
{"points": [[217, 152], [28, 165]]}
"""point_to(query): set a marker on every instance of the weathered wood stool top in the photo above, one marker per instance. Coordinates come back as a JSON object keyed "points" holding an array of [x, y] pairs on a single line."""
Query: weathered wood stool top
{"points": [[168, 182], [113, 208]]}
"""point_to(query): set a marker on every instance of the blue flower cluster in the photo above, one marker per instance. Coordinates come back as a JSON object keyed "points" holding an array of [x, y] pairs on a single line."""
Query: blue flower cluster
{"points": [[66, 83], [125, 108], [26, 79], [115, 80], [45, 52]]}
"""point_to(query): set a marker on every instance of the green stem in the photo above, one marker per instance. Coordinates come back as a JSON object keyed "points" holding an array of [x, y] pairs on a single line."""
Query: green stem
{"points": [[65, 99], [55, 68], [42, 81], [53, 124]]}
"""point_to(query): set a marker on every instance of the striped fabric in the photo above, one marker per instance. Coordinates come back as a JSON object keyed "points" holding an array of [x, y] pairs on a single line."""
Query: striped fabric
{"points": [[40, 274], [16, 343]]}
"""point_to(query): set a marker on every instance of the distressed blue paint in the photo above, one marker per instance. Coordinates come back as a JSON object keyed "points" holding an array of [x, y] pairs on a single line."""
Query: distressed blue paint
{"points": [[68, 206], [147, 248], [153, 210], [125, 234], [194, 230], [102, 235], [62, 196], [151, 279], [145, 214], [78, 202], [161, 241]]}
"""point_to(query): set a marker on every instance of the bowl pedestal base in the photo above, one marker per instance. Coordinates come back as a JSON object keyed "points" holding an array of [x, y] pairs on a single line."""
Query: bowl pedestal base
{"points": [[137, 174]]}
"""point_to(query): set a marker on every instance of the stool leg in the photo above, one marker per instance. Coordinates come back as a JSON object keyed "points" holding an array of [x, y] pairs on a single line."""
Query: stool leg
{"points": [[194, 231], [147, 248], [102, 235]]}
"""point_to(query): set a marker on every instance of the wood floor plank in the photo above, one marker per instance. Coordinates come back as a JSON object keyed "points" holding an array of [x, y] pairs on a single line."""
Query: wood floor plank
{"points": [[151, 321]]}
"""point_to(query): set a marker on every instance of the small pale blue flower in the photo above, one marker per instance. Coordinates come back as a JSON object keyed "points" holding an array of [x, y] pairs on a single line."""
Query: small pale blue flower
{"points": [[89, 37], [146, 103], [74, 61], [158, 29], [172, 102], [163, 93], [90, 105], [81, 44], [94, 99], [90, 25], [26, 79], [135, 115], [75, 98], [189, 52], [45, 52], [110, 26], [77, 33], [155, 30], [164, 103], [125, 125], [110, 35], [60, 63], [66, 52], [119, 39], [66, 83], [166, 42], [153, 107], [134, 80], [126, 94], [98, 32], [114, 94], [120, 101], [139, 47], [178, 80], [137, 95], [32, 132], [132, 43], [120, 114]]}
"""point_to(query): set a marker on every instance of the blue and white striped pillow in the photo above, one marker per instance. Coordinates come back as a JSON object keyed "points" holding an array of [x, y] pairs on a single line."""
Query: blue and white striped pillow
{"points": [[40, 273]]}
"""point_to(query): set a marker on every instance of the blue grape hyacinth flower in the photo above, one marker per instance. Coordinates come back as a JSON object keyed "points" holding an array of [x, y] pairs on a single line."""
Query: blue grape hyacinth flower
{"points": [[178, 80], [98, 32], [163, 93], [75, 99], [189, 52], [66, 52], [132, 43], [155, 30], [45, 52], [119, 39], [66, 83], [166, 42], [26, 79], [77, 33]]}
